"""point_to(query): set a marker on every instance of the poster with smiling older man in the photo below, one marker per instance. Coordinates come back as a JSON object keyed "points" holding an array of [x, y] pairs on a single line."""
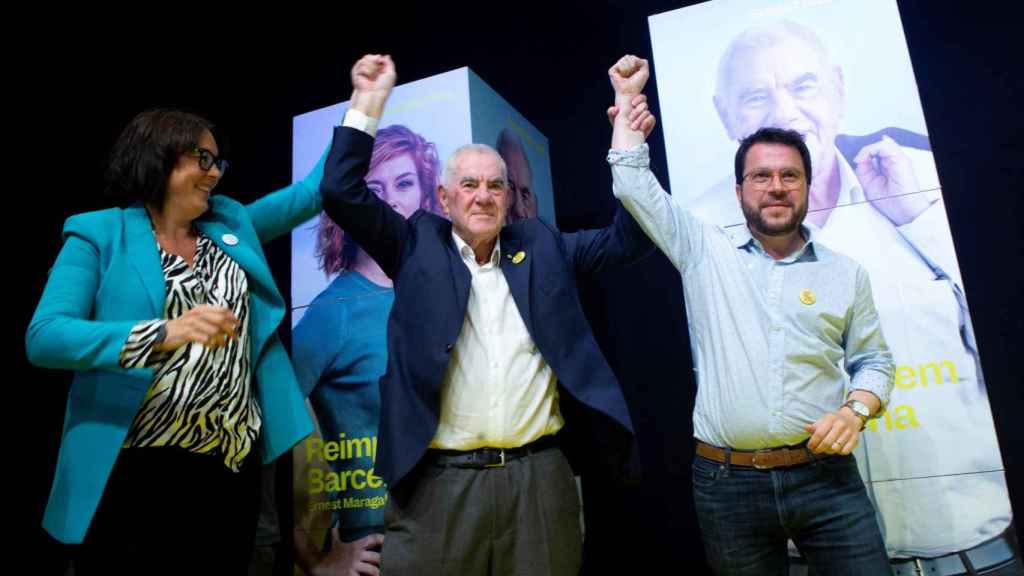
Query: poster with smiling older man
{"points": [[839, 72]]}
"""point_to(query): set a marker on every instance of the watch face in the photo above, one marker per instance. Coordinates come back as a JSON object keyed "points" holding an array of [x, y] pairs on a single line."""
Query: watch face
{"points": [[860, 408]]}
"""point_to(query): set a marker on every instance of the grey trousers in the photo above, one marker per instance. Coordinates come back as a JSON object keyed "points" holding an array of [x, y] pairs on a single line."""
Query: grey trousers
{"points": [[520, 519]]}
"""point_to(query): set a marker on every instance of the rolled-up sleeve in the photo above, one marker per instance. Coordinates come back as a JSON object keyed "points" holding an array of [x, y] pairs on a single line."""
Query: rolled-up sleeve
{"points": [[868, 359]]}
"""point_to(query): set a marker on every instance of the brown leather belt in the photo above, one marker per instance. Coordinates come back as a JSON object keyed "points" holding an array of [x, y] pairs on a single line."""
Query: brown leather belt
{"points": [[765, 459]]}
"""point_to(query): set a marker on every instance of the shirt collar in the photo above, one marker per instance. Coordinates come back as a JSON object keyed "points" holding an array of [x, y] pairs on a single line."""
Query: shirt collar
{"points": [[467, 254], [742, 238]]}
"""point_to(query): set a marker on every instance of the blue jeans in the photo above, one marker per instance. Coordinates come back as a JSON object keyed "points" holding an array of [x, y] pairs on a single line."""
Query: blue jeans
{"points": [[747, 516]]}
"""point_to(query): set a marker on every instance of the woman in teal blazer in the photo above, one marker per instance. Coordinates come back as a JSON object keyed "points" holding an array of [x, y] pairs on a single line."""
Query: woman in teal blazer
{"points": [[167, 313]]}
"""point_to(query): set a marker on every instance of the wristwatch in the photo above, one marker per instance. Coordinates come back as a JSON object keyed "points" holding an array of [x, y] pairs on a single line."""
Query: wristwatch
{"points": [[860, 410]]}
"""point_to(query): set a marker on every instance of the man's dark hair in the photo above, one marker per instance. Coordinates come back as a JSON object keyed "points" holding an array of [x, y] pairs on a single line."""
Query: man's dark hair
{"points": [[790, 138]]}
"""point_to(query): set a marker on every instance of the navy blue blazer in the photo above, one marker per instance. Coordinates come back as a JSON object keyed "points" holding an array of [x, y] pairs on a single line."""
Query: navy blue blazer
{"points": [[431, 291]]}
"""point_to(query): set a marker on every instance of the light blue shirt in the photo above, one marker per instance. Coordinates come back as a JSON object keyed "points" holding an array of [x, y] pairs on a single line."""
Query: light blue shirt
{"points": [[776, 343]]}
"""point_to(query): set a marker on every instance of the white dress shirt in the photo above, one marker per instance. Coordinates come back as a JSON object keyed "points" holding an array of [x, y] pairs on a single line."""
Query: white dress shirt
{"points": [[497, 390]]}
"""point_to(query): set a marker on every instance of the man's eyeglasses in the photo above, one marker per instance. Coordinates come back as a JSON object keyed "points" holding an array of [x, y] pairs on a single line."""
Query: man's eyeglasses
{"points": [[790, 178], [207, 159]]}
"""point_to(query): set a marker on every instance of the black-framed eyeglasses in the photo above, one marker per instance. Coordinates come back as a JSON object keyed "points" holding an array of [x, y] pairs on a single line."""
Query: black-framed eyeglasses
{"points": [[207, 159]]}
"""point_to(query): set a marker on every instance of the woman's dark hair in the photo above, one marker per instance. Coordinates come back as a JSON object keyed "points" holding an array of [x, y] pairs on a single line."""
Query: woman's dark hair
{"points": [[146, 152]]}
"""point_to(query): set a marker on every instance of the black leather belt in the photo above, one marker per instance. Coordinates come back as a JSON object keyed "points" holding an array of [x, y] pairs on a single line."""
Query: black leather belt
{"points": [[488, 457], [990, 554]]}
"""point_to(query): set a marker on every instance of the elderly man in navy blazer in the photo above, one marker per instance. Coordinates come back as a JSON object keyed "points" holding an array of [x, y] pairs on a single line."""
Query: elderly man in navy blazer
{"points": [[489, 357]]}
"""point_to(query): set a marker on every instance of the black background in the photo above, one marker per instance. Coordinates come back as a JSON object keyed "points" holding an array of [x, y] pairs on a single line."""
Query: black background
{"points": [[76, 84]]}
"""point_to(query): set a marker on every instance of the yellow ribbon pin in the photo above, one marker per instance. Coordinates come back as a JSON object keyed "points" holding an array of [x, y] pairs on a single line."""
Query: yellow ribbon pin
{"points": [[519, 257], [807, 297]]}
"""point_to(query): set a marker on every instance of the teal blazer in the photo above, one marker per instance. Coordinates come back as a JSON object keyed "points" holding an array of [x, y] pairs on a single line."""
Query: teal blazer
{"points": [[108, 278]]}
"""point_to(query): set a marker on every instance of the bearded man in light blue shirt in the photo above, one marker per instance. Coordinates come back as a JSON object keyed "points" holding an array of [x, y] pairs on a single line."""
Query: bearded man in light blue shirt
{"points": [[789, 356]]}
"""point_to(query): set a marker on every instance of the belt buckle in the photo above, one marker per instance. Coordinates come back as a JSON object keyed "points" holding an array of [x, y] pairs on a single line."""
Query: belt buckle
{"points": [[755, 462], [501, 464], [908, 567]]}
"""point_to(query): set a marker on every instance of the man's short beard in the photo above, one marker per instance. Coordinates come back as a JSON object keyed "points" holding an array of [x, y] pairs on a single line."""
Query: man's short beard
{"points": [[756, 222]]}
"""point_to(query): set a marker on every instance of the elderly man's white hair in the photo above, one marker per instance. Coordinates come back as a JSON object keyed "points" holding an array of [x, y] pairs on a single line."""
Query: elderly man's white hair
{"points": [[763, 37], [449, 165]]}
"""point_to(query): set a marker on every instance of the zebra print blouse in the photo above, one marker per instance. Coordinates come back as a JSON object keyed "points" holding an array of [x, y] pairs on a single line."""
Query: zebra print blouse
{"points": [[201, 399]]}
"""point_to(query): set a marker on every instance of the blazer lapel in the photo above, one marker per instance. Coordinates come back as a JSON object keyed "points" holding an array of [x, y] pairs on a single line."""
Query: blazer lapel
{"points": [[461, 279], [225, 239], [142, 249], [516, 264]]}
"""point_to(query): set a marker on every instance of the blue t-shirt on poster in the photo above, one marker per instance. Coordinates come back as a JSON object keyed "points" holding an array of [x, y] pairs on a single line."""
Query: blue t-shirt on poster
{"points": [[340, 353]]}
